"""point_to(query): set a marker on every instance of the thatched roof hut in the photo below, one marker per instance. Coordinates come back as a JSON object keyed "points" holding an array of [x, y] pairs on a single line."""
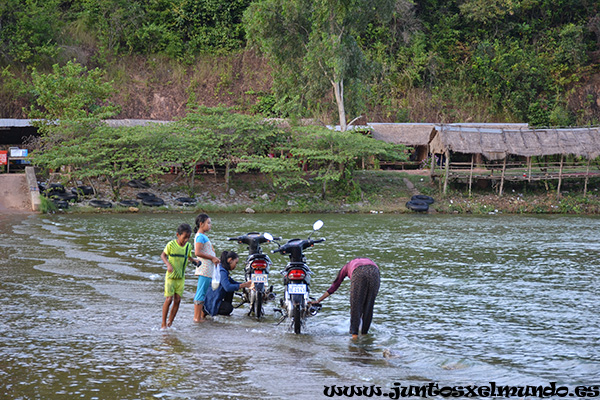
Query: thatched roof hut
{"points": [[406, 134], [496, 144]]}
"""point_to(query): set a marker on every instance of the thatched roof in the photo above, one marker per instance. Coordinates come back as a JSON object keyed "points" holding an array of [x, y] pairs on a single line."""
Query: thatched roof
{"points": [[406, 134], [495, 144], [415, 134]]}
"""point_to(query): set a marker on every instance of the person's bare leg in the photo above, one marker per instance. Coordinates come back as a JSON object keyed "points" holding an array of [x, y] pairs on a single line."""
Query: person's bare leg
{"points": [[174, 309], [199, 312], [165, 311], [202, 314]]}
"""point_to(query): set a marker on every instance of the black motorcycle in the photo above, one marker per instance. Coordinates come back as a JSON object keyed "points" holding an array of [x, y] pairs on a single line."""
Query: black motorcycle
{"points": [[296, 281], [256, 270]]}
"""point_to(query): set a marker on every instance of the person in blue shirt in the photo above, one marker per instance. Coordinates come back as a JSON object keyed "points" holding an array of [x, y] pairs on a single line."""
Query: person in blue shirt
{"points": [[203, 249], [220, 301]]}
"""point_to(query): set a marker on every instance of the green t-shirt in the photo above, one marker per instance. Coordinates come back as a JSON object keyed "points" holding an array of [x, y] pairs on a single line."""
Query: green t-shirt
{"points": [[178, 257]]}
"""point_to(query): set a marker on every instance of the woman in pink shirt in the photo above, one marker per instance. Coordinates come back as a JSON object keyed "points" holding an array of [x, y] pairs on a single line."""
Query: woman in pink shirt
{"points": [[364, 286]]}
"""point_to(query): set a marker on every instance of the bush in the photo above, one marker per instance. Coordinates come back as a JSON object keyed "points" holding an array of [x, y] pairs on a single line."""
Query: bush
{"points": [[47, 206]]}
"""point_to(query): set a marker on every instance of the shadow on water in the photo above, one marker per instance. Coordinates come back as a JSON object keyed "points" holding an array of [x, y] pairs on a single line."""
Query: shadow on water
{"points": [[463, 300]]}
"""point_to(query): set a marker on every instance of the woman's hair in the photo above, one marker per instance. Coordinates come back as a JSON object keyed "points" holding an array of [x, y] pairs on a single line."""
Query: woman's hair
{"points": [[183, 228], [200, 219], [225, 256]]}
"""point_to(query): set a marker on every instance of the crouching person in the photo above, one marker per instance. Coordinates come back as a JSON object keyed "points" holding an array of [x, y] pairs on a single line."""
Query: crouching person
{"points": [[220, 301]]}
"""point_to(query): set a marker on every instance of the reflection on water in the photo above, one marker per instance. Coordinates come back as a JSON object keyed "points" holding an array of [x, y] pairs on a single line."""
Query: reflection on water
{"points": [[463, 300]]}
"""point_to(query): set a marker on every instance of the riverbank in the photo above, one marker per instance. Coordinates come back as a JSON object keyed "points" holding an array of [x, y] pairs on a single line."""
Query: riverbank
{"points": [[369, 192]]}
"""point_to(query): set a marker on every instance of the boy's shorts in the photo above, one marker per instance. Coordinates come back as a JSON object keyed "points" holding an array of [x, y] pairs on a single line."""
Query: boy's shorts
{"points": [[174, 286]]}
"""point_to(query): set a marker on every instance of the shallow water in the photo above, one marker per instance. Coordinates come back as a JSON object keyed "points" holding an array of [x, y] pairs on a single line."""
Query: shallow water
{"points": [[464, 300]]}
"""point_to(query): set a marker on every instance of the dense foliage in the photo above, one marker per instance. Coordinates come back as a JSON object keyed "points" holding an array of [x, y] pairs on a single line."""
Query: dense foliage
{"points": [[523, 55], [501, 60], [34, 31], [313, 45]]}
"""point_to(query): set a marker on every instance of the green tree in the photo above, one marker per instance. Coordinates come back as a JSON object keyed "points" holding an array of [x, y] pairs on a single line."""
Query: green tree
{"points": [[115, 154], [283, 172], [237, 136], [192, 144], [332, 156], [68, 102], [112, 22], [313, 45], [29, 30], [71, 92]]}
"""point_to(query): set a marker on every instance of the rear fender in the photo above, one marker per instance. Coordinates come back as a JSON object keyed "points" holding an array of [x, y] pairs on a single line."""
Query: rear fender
{"points": [[297, 299], [259, 287]]}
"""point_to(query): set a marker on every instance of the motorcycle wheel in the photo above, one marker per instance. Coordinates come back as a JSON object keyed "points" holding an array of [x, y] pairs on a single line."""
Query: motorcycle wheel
{"points": [[258, 305], [297, 319]]}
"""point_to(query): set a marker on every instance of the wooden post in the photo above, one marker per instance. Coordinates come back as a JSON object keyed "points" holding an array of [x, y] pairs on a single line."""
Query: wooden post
{"points": [[562, 158], [447, 170], [528, 169], [502, 178], [431, 178], [471, 175], [587, 177]]}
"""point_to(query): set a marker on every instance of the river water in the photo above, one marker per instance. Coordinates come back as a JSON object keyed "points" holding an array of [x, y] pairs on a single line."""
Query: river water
{"points": [[464, 300]]}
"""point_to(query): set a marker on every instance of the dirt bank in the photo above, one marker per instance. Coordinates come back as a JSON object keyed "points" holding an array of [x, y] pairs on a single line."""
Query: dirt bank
{"points": [[380, 191], [14, 194]]}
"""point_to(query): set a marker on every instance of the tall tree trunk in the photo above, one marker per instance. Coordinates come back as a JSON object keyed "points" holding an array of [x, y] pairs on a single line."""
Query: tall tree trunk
{"points": [[92, 185], [192, 180], [227, 164], [114, 187], [338, 88], [324, 187]]}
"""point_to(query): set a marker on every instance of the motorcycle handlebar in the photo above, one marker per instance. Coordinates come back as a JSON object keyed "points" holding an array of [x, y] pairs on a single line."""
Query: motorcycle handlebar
{"points": [[240, 238], [303, 245]]}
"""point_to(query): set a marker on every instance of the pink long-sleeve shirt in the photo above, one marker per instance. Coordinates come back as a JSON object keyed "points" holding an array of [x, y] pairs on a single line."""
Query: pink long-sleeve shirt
{"points": [[347, 271]]}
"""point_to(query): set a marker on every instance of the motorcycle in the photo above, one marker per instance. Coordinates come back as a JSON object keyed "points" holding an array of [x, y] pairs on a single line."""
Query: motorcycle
{"points": [[256, 270], [296, 281]]}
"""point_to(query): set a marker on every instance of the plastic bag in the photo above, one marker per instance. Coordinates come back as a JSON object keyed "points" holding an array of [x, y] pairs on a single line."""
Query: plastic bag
{"points": [[216, 278]]}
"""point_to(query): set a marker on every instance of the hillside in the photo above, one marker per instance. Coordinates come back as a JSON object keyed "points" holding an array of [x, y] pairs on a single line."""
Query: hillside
{"points": [[426, 61], [158, 88]]}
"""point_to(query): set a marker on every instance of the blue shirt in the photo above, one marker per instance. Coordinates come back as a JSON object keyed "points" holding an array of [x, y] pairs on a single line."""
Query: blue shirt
{"points": [[214, 298]]}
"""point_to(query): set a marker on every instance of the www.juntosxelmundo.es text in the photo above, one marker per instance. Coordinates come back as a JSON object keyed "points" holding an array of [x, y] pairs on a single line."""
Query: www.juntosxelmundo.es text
{"points": [[434, 389]]}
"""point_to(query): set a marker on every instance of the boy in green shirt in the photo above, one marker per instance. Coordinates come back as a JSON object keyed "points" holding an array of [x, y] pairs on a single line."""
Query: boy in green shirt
{"points": [[175, 256]]}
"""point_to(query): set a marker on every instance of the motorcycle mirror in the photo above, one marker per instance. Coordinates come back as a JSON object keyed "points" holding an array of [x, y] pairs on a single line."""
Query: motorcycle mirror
{"points": [[317, 225], [268, 236]]}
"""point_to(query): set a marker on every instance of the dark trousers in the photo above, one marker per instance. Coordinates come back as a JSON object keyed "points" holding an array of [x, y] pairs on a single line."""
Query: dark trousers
{"points": [[226, 307], [364, 287]]}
